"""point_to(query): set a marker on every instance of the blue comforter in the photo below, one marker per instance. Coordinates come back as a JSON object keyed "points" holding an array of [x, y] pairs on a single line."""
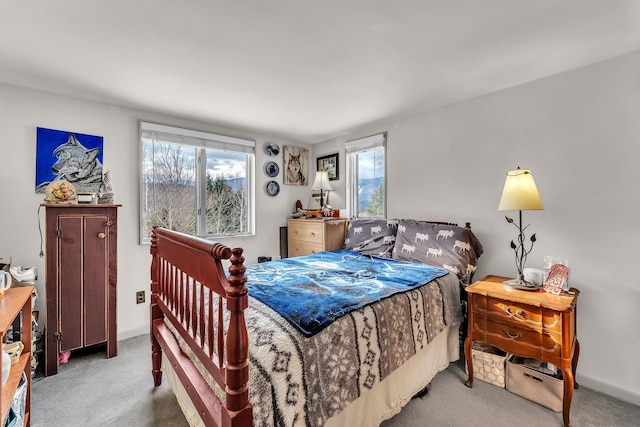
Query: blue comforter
{"points": [[312, 291]]}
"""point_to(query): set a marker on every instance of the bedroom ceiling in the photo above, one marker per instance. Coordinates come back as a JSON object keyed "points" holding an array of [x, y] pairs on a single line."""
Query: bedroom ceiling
{"points": [[303, 70]]}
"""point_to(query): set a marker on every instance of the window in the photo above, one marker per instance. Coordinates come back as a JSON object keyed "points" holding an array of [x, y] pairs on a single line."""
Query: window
{"points": [[366, 194], [195, 182]]}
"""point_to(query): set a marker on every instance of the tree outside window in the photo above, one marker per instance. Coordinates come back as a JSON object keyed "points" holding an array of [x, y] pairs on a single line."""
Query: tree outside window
{"points": [[190, 186], [366, 193]]}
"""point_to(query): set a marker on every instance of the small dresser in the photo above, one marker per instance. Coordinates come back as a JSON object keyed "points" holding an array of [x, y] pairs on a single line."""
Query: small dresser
{"points": [[532, 324], [308, 236]]}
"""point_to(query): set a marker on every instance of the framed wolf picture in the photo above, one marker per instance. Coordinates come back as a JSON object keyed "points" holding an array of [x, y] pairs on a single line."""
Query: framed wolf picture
{"points": [[73, 156], [296, 165]]}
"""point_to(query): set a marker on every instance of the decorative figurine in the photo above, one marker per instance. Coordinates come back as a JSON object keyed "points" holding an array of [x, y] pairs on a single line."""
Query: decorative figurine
{"points": [[105, 194]]}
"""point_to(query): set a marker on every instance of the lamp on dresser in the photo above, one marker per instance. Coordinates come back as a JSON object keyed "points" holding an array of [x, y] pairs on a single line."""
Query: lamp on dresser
{"points": [[321, 184], [520, 194]]}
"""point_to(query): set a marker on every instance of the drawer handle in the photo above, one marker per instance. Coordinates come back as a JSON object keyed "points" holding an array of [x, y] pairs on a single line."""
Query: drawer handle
{"points": [[101, 235], [510, 335], [519, 312]]}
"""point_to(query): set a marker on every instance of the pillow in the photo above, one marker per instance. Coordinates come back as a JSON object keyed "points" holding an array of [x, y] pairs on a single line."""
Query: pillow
{"points": [[455, 248], [372, 236]]}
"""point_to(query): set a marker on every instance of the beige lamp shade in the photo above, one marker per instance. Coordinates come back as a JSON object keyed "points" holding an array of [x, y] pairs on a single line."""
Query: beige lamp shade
{"points": [[322, 181], [520, 192]]}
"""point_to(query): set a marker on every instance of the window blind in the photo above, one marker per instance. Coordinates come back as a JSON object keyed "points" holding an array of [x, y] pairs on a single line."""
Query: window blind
{"points": [[365, 143], [157, 132]]}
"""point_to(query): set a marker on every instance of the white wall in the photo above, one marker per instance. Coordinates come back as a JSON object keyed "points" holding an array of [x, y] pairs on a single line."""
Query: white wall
{"points": [[579, 133], [22, 110]]}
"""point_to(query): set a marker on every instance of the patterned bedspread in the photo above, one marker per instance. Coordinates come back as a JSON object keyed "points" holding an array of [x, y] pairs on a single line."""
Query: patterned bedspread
{"points": [[300, 381]]}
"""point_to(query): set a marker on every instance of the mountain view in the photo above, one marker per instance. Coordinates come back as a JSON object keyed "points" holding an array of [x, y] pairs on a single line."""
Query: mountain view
{"points": [[367, 188]]}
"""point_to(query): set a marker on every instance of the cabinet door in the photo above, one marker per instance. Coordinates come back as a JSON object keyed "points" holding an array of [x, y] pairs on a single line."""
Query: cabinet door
{"points": [[83, 281], [70, 270], [95, 276]]}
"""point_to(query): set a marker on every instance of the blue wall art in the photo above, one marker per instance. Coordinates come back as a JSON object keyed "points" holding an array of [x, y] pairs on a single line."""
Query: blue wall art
{"points": [[73, 156]]}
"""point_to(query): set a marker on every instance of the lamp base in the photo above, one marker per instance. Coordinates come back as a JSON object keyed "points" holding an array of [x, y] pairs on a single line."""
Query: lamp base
{"points": [[521, 284]]}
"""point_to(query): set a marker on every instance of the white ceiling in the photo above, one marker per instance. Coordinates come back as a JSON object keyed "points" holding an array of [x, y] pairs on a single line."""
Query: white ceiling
{"points": [[302, 69]]}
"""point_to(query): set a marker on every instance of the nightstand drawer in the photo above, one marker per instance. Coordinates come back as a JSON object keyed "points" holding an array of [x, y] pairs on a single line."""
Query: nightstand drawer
{"points": [[513, 337], [519, 315], [309, 231]]}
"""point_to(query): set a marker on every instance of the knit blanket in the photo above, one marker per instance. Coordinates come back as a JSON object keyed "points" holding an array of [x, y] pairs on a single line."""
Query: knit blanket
{"points": [[312, 291], [303, 381]]}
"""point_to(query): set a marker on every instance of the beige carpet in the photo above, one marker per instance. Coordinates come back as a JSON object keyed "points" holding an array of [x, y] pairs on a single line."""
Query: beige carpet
{"points": [[94, 391]]}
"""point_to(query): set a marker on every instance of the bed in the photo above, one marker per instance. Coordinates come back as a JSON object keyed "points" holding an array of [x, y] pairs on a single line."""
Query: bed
{"points": [[234, 360]]}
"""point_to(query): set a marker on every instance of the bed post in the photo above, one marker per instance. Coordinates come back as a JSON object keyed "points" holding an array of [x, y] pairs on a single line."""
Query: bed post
{"points": [[237, 365], [156, 313]]}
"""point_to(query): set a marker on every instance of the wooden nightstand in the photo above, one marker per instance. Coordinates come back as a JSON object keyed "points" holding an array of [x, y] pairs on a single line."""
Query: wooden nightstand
{"points": [[308, 236], [532, 324]]}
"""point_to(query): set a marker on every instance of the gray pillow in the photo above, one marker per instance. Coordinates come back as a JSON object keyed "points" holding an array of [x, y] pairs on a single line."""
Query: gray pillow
{"points": [[455, 248], [372, 236]]}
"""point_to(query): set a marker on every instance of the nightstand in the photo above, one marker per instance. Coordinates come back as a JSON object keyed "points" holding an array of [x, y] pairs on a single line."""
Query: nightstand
{"points": [[308, 236], [532, 324]]}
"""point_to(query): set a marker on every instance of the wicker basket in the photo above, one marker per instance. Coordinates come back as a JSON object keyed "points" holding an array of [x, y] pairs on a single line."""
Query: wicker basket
{"points": [[488, 364]]}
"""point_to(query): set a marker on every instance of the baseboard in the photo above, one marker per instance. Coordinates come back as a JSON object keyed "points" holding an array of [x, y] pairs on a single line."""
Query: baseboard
{"points": [[607, 388], [130, 333]]}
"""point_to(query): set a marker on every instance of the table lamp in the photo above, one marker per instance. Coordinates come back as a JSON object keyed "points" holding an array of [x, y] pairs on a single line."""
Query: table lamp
{"points": [[520, 194], [321, 184]]}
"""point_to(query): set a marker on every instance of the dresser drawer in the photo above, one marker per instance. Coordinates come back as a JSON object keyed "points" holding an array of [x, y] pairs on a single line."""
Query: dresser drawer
{"points": [[518, 315], [306, 231], [300, 248]]}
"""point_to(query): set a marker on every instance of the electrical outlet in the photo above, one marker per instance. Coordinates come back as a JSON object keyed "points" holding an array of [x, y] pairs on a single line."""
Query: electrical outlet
{"points": [[139, 297]]}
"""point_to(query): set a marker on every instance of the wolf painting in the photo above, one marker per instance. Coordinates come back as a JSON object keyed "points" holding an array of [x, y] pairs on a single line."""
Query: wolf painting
{"points": [[78, 162], [296, 165]]}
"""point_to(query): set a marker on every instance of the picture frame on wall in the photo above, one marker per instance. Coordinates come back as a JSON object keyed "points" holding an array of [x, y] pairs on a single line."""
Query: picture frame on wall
{"points": [[295, 165], [329, 163]]}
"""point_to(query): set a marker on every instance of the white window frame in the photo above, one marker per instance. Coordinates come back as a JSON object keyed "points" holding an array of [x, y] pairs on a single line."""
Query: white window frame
{"points": [[203, 141], [352, 149]]}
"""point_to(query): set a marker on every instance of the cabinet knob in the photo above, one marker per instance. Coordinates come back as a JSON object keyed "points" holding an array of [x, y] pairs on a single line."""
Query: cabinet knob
{"points": [[101, 235]]}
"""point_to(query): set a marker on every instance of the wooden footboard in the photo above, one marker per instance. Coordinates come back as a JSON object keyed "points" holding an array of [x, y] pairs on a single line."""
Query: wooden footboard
{"points": [[188, 288]]}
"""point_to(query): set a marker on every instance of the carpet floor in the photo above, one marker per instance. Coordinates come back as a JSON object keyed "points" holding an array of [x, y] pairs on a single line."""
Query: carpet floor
{"points": [[92, 390]]}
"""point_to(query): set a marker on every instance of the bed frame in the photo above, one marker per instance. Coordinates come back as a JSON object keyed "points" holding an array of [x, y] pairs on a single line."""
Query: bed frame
{"points": [[177, 261]]}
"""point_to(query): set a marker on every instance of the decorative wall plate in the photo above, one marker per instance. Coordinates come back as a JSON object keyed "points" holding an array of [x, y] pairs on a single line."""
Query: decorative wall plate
{"points": [[272, 149], [272, 169], [273, 188]]}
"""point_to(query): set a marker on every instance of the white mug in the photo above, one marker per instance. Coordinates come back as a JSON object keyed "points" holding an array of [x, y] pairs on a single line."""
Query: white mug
{"points": [[533, 275], [5, 281]]}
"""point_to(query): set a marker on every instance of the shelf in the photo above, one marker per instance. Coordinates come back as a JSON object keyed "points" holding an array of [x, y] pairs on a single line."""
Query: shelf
{"points": [[16, 303], [11, 305], [9, 388]]}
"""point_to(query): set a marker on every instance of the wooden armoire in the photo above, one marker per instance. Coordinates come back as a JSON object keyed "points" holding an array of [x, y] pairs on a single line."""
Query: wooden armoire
{"points": [[82, 270]]}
